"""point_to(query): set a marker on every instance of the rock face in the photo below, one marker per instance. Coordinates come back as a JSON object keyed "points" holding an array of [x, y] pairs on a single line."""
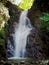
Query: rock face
{"points": [[35, 46]]}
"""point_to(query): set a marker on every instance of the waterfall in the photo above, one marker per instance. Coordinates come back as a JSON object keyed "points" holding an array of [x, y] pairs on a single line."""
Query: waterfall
{"points": [[20, 35]]}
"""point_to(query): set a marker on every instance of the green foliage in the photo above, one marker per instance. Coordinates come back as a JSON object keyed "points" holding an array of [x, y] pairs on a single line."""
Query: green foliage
{"points": [[45, 22], [1, 41], [2, 33], [45, 17], [4, 15]]}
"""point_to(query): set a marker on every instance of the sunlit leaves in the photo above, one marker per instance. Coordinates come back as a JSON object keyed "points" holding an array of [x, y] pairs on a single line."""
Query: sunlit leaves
{"points": [[4, 15], [26, 4]]}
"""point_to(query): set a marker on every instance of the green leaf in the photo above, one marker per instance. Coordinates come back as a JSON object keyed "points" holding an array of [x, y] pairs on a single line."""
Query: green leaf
{"points": [[45, 22], [45, 17]]}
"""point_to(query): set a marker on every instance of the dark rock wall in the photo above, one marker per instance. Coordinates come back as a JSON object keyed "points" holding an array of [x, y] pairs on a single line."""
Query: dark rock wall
{"points": [[34, 45]]}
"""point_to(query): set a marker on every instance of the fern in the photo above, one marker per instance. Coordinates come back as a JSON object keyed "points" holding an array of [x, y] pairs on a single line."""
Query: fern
{"points": [[45, 22]]}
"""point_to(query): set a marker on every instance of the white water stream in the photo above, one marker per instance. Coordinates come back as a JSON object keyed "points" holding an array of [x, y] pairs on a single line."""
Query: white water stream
{"points": [[21, 34]]}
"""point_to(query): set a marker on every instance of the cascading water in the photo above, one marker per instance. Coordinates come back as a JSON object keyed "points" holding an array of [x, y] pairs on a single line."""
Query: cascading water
{"points": [[20, 36]]}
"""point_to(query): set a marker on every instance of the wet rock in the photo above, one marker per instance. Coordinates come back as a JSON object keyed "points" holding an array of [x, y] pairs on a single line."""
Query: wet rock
{"points": [[10, 49], [34, 47]]}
